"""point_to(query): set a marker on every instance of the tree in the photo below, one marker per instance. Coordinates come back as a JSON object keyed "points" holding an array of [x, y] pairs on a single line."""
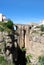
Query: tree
{"points": [[42, 27], [9, 24]]}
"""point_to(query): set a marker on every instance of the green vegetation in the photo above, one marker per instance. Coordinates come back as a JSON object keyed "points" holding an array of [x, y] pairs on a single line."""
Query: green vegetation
{"points": [[28, 57], [6, 26], [3, 61], [9, 24], [1, 28], [0, 50], [42, 28], [41, 60], [23, 49]]}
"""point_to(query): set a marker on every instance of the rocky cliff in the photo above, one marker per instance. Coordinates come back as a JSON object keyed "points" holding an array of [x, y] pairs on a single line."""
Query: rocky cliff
{"points": [[29, 37]]}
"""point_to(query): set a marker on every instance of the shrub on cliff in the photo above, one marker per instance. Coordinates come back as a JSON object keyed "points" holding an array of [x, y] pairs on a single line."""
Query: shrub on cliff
{"points": [[28, 57], [42, 28], [9, 24], [1, 28], [3, 61], [41, 60], [6, 26]]}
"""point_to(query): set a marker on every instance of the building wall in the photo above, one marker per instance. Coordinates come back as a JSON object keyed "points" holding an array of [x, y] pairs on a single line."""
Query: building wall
{"points": [[1, 17]]}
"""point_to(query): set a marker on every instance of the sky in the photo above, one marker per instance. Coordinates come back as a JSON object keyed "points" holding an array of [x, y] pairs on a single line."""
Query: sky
{"points": [[23, 11]]}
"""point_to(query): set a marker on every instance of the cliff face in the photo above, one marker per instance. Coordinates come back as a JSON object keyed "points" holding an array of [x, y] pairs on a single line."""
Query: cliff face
{"points": [[35, 46], [8, 47], [32, 38]]}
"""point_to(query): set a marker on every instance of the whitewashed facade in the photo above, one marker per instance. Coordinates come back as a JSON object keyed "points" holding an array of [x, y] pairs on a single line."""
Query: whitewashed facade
{"points": [[3, 18]]}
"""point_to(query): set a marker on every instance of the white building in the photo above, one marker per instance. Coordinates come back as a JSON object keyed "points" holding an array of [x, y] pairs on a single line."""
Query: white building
{"points": [[42, 22], [3, 18]]}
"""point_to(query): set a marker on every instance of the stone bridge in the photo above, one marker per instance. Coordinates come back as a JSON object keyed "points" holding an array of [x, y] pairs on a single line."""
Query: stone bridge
{"points": [[22, 31]]}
